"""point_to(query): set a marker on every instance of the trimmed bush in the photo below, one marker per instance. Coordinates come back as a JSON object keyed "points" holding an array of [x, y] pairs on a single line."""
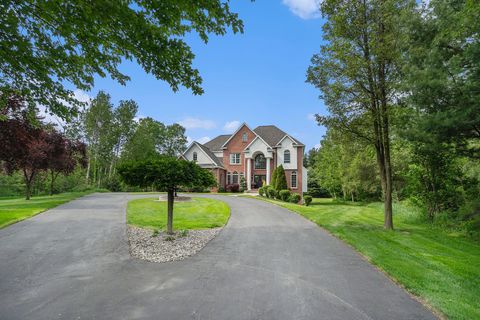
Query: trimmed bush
{"points": [[261, 191], [295, 198], [284, 195], [272, 193], [281, 179], [235, 187], [273, 179], [308, 200]]}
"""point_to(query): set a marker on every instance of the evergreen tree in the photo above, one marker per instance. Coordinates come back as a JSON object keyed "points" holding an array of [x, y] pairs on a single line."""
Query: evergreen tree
{"points": [[281, 179]]}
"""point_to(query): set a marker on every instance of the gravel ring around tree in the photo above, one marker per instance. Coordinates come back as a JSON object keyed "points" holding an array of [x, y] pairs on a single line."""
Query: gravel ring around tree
{"points": [[146, 245]]}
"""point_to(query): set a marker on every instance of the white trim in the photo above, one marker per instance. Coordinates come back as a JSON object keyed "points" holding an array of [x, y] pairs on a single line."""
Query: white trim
{"points": [[296, 179], [236, 131], [203, 151], [257, 137], [295, 143]]}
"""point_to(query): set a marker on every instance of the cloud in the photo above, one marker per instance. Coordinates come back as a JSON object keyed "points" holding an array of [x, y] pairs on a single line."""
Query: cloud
{"points": [[195, 123], [317, 146], [49, 117], [201, 140], [311, 117], [231, 126], [305, 9]]}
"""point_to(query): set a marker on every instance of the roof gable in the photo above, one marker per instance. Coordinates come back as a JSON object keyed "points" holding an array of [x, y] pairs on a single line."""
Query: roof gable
{"points": [[235, 133], [216, 143], [207, 152], [273, 135]]}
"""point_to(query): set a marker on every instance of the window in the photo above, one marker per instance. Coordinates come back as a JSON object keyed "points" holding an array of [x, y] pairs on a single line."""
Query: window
{"points": [[286, 156], [235, 177], [229, 178], [234, 158], [293, 179], [244, 137], [260, 162], [195, 156]]}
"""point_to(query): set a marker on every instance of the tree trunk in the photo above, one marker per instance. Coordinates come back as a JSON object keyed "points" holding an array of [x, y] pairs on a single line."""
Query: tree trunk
{"points": [[170, 199], [87, 176], [52, 180], [28, 183]]}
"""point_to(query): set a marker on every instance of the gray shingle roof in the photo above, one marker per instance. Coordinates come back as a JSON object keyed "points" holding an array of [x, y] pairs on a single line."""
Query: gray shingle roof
{"points": [[217, 161], [272, 134], [216, 143]]}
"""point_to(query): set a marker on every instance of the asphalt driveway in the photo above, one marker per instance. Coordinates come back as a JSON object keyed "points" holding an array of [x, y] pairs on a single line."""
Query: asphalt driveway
{"points": [[72, 262]]}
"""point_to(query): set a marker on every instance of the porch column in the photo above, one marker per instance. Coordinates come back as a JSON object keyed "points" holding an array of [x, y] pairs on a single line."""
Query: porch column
{"points": [[249, 175], [268, 171]]}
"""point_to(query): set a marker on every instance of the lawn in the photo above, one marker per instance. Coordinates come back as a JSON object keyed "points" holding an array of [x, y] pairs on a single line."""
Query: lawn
{"points": [[200, 213], [16, 209], [440, 267]]}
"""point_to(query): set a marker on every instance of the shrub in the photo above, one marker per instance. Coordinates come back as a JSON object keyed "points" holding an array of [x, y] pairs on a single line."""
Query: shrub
{"points": [[113, 184], [261, 191], [272, 193], [221, 189], [284, 195], [308, 200], [273, 179], [235, 187], [243, 184], [295, 198], [281, 179]]}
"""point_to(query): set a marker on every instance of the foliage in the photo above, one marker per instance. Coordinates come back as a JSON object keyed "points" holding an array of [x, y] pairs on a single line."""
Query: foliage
{"points": [[243, 184], [200, 213], [261, 191], [48, 44], [308, 200], [273, 181], [284, 195], [234, 187], [295, 198], [271, 192], [280, 179]]}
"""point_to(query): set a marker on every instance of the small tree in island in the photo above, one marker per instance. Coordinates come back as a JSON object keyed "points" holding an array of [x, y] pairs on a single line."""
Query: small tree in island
{"points": [[166, 174]]}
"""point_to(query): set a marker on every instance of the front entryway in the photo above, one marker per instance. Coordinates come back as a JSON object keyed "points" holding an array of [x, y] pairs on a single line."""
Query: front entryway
{"points": [[259, 180]]}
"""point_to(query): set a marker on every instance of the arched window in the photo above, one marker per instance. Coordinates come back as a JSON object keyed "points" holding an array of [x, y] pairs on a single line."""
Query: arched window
{"points": [[286, 156], [235, 177], [244, 137], [195, 156], [260, 162], [293, 179]]}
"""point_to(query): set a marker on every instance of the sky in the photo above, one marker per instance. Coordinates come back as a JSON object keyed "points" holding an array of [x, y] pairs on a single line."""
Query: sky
{"points": [[257, 77]]}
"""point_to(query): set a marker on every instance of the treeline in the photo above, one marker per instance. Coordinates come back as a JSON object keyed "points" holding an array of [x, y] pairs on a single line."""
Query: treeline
{"points": [[401, 84], [106, 135]]}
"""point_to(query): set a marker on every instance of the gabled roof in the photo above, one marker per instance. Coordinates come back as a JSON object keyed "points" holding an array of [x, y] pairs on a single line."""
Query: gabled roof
{"points": [[216, 143], [211, 155], [272, 135], [233, 134]]}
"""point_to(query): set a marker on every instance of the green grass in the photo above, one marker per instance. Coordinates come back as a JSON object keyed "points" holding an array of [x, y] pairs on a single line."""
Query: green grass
{"points": [[200, 213], [16, 209], [440, 267]]}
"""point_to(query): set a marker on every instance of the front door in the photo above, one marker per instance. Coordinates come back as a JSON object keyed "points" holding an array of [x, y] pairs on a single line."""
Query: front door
{"points": [[259, 180]]}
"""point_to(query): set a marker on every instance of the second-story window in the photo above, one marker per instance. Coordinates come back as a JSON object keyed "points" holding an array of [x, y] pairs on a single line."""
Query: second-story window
{"points": [[244, 137], [286, 156], [260, 162], [234, 158], [195, 157]]}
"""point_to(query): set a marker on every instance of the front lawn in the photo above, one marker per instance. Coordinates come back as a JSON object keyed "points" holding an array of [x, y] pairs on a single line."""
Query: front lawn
{"points": [[200, 213], [16, 209], [441, 267]]}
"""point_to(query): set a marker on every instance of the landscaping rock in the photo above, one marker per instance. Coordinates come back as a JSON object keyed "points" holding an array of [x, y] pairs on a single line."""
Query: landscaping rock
{"points": [[161, 247]]}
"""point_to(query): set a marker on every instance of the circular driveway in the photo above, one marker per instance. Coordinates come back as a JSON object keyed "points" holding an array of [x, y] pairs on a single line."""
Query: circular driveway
{"points": [[72, 262]]}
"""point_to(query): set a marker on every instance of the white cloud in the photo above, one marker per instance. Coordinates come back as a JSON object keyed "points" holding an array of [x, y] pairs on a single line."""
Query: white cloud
{"points": [[305, 9], [48, 117], [231, 126], [311, 117], [81, 95], [317, 146], [195, 123]]}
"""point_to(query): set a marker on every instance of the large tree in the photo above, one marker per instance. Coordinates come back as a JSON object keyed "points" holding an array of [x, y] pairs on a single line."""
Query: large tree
{"points": [[166, 173], [357, 71], [46, 44]]}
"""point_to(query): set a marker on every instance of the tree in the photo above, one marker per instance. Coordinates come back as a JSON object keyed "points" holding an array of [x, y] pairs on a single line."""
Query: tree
{"points": [[166, 173], [442, 74], [281, 179], [63, 155], [45, 44], [273, 180], [357, 71], [174, 141]]}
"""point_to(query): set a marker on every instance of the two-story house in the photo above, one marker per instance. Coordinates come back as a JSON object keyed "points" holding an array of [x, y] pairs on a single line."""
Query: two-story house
{"points": [[252, 154]]}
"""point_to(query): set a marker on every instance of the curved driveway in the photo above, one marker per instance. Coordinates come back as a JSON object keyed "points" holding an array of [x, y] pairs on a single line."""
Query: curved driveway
{"points": [[72, 262]]}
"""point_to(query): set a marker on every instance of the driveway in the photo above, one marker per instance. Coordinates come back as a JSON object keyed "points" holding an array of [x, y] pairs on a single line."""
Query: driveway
{"points": [[72, 262]]}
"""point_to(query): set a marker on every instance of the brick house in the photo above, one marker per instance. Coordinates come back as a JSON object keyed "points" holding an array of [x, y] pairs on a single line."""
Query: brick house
{"points": [[252, 154]]}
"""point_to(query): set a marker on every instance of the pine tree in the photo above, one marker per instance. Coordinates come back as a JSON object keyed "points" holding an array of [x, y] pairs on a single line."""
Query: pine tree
{"points": [[281, 179]]}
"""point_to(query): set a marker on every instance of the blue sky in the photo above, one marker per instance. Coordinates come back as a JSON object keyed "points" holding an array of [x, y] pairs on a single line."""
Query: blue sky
{"points": [[257, 77]]}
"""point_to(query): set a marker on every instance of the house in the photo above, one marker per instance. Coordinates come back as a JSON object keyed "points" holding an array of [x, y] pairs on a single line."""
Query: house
{"points": [[252, 154]]}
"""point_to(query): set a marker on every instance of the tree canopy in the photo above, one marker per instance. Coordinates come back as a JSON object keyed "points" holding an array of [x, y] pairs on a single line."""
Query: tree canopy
{"points": [[45, 45]]}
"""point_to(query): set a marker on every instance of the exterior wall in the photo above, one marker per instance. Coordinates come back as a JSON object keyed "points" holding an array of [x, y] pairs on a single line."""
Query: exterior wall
{"points": [[236, 145], [218, 154], [220, 176], [300, 181], [287, 144], [304, 179], [202, 158]]}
